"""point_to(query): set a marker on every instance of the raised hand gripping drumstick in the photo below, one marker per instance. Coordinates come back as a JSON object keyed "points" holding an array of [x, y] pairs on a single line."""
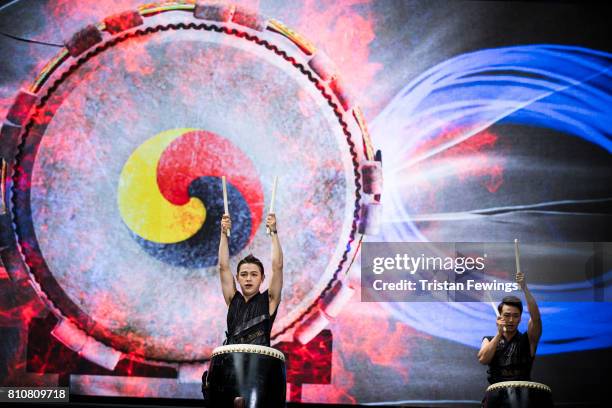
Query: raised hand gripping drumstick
{"points": [[225, 205], [272, 201]]}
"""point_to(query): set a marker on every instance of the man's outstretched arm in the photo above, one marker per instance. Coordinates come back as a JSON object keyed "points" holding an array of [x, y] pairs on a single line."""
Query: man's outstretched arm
{"points": [[534, 327], [276, 280], [228, 285]]}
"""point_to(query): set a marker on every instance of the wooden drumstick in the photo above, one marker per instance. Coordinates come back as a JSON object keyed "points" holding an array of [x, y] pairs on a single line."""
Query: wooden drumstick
{"points": [[272, 201], [517, 256], [517, 259], [497, 314], [492, 304], [225, 204], [494, 308]]}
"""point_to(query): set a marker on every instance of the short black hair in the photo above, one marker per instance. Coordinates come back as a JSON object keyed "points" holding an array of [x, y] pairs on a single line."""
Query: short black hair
{"points": [[510, 301], [250, 259]]}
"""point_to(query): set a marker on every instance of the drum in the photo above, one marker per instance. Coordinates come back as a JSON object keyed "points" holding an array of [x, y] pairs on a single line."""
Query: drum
{"points": [[518, 394], [255, 373], [107, 174]]}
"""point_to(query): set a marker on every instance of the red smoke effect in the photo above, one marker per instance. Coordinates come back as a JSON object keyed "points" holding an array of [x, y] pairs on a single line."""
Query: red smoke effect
{"points": [[18, 306], [478, 148], [344, 30], [307, 364], [70, 15], [48, 355], [476, 160], [366, 337], [5, 104]]}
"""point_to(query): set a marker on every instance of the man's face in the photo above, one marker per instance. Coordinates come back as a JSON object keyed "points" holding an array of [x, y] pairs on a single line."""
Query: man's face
{"points": [[511, 316], [249, 278]]}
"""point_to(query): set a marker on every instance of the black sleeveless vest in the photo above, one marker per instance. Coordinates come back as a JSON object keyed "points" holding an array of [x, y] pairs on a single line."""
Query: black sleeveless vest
{"points": [[512, 360], [249, 322]]}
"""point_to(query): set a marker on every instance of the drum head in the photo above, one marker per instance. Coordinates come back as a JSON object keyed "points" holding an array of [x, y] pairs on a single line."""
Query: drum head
{"points": [[248, 348], [119, 195], [518, 394], [519, 384]]}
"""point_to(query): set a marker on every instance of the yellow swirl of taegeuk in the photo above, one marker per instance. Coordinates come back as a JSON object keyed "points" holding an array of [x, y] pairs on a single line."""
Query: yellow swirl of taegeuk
{"points": [[142, 206]]}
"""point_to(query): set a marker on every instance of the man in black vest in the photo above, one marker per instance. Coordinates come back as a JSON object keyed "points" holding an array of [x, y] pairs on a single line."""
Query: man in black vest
{"points": [[510, 353], [251, 314]]}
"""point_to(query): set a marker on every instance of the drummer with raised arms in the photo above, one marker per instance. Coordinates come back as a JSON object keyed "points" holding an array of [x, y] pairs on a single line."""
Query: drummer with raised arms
{"points": [[251, 313], [250, 317], [510, 353]]}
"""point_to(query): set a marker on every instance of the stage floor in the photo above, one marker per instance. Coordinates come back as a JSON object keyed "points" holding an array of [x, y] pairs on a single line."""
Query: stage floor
{"points": [[78, 401]]}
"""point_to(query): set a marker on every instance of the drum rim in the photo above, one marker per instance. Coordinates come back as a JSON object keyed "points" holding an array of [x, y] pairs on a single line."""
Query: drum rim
{"points": [[348, 113], [248, 348], [519, 384]]}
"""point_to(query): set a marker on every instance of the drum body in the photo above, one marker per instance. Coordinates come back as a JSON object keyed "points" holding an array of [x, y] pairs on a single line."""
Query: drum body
{"points": [[255, 373], [518, 394]]}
